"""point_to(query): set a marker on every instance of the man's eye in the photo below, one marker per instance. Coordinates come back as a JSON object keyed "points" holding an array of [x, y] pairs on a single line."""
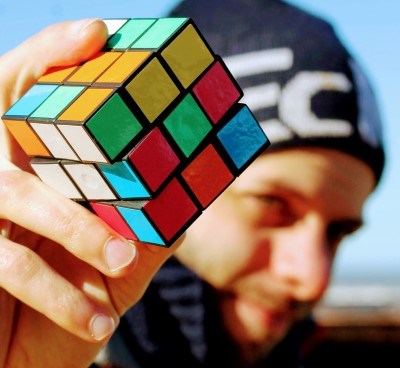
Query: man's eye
{"points": [[274, 211], [273, 202]]}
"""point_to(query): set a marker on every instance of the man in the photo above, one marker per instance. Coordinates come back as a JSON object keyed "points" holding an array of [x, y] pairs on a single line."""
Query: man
{"points": [[258, 258]]}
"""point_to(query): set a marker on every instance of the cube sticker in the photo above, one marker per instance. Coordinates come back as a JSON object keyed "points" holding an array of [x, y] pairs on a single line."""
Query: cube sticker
{"points": [[147, 133]]}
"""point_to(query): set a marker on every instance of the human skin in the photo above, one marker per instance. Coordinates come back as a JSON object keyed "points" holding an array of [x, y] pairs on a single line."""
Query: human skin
{"points": [[258, 243], [268, 242], [65, 276]]}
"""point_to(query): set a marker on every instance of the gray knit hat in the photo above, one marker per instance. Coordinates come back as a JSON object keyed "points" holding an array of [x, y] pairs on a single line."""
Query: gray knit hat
{"points": [[299, 80]]}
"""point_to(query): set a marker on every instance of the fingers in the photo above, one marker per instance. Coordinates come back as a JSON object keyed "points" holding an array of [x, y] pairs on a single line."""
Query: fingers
{"points": [[34, 283], [28, 202], [61, 44], [70, 293]]}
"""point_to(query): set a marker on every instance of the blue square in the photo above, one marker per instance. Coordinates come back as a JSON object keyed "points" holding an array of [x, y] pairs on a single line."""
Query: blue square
{"points": [[242, 137]]}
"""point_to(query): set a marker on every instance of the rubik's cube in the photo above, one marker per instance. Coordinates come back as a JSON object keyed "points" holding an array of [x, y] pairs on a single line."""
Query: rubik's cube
{"points": [[147, 133]]}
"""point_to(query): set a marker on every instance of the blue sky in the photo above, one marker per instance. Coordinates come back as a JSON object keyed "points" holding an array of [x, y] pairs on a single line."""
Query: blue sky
{"points": [[371, 31]]}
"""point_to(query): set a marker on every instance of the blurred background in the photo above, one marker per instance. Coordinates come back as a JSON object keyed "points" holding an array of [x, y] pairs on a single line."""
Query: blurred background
{"points": [[364, 298]]}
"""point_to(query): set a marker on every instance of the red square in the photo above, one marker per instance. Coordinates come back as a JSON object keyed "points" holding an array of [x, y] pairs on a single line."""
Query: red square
{"points": [[207, 175], [171, 210], [216, 92], [154, 159], [111, 217]]}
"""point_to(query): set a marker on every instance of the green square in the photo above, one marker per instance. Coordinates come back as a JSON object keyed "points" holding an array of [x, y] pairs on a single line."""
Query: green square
{"points": [[188, 125], [57, 102], [114, 126], [129, 33], [158, 33]]}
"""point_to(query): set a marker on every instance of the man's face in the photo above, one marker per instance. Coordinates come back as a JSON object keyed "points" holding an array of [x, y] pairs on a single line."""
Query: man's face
{"points": [[268, 242]]}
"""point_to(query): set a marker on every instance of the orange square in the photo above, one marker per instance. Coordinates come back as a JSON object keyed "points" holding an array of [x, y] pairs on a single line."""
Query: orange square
{"points": [[26, 137], [89, 71], [85, 104], [57, 74], [123, 67]]}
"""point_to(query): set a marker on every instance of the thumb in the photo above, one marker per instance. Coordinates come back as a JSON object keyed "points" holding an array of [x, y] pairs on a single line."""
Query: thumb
{"points": [[60, 44]]}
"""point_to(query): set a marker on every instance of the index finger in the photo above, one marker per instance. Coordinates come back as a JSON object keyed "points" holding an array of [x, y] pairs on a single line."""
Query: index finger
{"points": [[31, 204]]}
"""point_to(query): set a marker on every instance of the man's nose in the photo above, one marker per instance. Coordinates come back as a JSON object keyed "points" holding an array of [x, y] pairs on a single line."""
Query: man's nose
{"points": [[301, 257]]}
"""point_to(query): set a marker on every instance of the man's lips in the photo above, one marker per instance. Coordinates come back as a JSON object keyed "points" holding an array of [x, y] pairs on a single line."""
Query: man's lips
{"points": [[269, 317], [270, 314], [272, 303]]}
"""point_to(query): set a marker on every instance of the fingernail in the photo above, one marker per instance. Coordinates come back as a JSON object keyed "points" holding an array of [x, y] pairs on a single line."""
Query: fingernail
{"points": [[92, 24], [81, 27], [5, 228], [101, 326], [119, 253]]}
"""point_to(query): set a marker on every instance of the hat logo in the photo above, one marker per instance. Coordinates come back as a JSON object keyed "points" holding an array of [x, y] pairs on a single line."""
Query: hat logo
{"points": [[291, 99]]}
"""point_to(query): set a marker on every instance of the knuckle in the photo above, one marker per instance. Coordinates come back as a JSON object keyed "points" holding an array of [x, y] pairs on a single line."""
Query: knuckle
{"points": [[18, 262], [77, 224], [15, 183], [8, 182]]}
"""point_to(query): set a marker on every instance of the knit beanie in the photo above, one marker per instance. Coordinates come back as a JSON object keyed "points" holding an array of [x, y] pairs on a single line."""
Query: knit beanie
{"points": [[299, 80]]}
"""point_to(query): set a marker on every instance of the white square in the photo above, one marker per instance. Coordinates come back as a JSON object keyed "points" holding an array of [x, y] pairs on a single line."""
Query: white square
{"points": [[51, 173], [54, 141], [89, 181], [81, 142], [113, 25]]}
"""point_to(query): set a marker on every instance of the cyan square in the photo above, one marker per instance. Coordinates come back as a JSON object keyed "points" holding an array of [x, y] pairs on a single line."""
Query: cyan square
{"points": [[31, 100], [124, 180], [140, 225]]}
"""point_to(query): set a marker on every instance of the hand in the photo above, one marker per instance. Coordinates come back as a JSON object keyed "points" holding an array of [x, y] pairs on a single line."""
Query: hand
{"points": [[65, 276]]}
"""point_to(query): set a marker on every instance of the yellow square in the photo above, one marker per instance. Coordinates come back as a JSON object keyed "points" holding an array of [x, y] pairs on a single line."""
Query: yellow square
{"points": [[152, 90], [188, 56]]}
